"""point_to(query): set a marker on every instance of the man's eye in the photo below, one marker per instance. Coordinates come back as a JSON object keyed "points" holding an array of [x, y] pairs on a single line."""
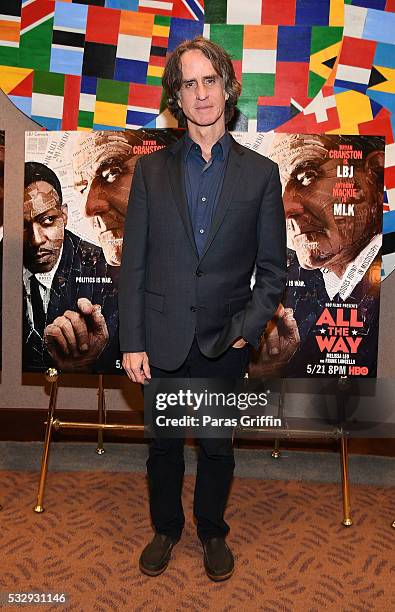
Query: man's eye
{"points": [[306, 177], [189, 85], [48, 220], [210, 81], [111, 174]]}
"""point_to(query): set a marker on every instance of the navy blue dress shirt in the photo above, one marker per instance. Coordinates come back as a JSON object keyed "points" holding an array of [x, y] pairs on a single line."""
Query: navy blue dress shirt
{"points": [[203, 182]]}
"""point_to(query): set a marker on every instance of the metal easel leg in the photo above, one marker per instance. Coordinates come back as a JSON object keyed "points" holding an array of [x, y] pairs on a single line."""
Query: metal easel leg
{"points": [[101, 408], [276, 449], [52, 376], [347, 520]]}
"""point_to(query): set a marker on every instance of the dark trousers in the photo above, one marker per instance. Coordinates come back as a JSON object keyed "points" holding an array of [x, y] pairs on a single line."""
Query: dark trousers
{"points": [[165, 465]]}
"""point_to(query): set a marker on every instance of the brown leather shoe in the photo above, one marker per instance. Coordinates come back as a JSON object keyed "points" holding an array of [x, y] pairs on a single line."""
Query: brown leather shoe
{"points": [[218, 559], [156, 555]]}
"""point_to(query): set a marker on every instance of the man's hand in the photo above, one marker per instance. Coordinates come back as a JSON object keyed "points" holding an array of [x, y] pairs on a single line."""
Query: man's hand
{"points": [[76, 339], [136, 366], [279, 343], [239, 343]]}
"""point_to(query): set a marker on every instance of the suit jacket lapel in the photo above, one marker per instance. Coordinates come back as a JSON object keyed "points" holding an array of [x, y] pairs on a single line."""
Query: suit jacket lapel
{"points": [[175, 167], [232, 176]]}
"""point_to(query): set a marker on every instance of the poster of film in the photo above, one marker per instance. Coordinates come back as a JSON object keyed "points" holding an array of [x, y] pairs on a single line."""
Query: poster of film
{"points": [[76, 193], [2, 149], [75, 199], [328, 323]]}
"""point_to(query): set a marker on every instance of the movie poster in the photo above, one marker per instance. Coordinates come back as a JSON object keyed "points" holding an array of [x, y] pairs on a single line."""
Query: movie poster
{"points": [[2, 149], [328, 323], [76, 194]]}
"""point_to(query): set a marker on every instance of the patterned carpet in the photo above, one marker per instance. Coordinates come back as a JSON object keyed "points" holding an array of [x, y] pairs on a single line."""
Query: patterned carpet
{"points": [[292, 553]]}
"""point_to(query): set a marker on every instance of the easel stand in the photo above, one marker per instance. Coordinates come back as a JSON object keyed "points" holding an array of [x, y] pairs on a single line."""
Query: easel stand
{"points": [[347, 520], [342, 388], [101, 408], [52, 376]]}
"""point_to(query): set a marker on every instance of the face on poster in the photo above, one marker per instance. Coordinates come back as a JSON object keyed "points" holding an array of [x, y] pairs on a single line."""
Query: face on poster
{"points": [[333, 203], [76, 195]]}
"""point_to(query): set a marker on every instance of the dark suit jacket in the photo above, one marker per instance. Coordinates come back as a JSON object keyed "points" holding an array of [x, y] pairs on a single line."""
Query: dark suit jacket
{"points": [[79, 259], [167, 293]]}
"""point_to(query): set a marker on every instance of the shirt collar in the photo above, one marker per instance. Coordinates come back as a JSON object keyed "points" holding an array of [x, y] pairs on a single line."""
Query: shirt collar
{"points": [[354, 272], [219, 150]]}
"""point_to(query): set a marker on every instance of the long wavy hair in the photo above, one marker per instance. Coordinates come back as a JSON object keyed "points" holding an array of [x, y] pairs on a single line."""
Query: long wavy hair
{"points": [[222, 64]]}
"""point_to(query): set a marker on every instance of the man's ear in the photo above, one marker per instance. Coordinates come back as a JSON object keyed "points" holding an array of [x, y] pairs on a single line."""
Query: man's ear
{"points": [[64, 213], [374, 167], [226, 95]]}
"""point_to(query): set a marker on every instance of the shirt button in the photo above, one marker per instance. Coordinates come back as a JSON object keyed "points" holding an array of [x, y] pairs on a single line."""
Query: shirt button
{"points": [[204, 199], [201, 231], [193, 309]]}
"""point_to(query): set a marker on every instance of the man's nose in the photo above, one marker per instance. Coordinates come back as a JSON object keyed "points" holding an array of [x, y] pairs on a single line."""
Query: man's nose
{"points": [[293, 206], [96, 201], [37, 237], [201, 91]]}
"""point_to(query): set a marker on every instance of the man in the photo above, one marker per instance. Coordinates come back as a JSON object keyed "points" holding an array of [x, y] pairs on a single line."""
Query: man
{"points": [[336, 251], [104, 165], [64, 324], [202, 213]]}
